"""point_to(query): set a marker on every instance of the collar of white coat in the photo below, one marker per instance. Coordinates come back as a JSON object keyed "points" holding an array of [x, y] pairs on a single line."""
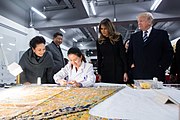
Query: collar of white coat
{"points": [[149, 31], [82, 66]]}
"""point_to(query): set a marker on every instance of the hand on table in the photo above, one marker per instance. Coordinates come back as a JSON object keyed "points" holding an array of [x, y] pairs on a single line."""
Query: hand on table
{"points": [[125, 77], [62, 82], [27, 83], [75, 84]]}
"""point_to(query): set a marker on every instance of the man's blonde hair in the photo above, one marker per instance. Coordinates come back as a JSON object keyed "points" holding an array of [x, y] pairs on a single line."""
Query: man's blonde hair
{"points": [[146, 15]]}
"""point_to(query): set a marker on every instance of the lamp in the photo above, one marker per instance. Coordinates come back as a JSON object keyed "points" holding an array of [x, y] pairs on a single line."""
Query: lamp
{"points": [[81, 44], [155, 5], [62, 30], [74, 40], [38, 12], [1, 37], [115, 19], [92, 8], [15, 69]]}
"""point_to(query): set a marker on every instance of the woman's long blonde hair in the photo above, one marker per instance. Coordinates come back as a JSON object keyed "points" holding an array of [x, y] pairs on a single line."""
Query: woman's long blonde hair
{"points": [[113, 35]]}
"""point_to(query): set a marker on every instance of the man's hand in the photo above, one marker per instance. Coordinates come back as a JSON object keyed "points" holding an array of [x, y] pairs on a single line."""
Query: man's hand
{"points": [[125, 77], [132, 66]]}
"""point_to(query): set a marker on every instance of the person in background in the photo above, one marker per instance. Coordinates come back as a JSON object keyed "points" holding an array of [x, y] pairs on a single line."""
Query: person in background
{"points": [[79, 72], [175, 67], [130, 78], [54, 48], [150, 52], [126, 45], [66, 61], [36, 62], [112, 62]]}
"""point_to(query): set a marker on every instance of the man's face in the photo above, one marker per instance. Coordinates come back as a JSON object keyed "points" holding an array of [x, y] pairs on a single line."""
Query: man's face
{"points": [[143, 23], [58, 40]]}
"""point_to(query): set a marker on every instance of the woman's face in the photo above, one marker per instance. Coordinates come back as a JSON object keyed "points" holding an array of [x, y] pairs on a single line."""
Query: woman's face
{"points": [[39, 49], [75, 60], [127, 45], [104, 31]]}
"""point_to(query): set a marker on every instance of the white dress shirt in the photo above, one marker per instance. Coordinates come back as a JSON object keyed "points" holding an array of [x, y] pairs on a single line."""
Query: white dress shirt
{"points": [[148, 32], [84, 75]]}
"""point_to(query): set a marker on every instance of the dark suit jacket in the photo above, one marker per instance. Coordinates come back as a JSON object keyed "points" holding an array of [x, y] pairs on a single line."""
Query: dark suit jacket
{"points": [[151, 58], [57, 57], [175, 67]]}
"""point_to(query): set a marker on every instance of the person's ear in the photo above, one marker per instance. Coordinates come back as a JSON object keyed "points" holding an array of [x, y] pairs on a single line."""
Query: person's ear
{"points": [[33, 50], [81, 57]]}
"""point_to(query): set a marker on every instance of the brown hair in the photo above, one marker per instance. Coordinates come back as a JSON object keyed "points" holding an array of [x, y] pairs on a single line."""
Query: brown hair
{"points": [[113, 35]]}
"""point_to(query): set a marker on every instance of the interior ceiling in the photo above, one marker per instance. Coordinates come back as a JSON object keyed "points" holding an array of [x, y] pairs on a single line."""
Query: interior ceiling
{"points": [[76, 18]]}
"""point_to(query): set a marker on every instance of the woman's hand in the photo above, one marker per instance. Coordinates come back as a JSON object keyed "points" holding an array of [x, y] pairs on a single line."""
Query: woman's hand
{"points": [[173, 79], [132, 66], [75, 84], [98, 78], [125, 77], [62, 82], [27, 83]]}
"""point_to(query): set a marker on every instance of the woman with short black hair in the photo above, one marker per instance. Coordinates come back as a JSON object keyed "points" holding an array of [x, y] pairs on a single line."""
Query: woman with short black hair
{"points": [[36, 62]]}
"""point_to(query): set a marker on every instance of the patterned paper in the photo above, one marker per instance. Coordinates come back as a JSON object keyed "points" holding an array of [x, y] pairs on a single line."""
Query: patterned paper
{"points": [[40, 102]]}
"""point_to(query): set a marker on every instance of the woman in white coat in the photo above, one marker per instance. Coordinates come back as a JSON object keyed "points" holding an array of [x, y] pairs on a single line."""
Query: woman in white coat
{"points": [[78, 72]]}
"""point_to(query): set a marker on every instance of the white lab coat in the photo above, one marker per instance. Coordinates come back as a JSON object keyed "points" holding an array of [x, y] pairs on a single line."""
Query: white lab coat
{"points": [[85, 74]]}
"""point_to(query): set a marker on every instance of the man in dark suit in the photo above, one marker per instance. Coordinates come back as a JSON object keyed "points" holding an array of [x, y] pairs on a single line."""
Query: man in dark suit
{"points": [[175, 67], [150, 51], [54, 48]]}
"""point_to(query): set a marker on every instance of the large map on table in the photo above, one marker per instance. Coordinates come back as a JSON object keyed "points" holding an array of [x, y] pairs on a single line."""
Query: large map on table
{"points": [[37, 102]]}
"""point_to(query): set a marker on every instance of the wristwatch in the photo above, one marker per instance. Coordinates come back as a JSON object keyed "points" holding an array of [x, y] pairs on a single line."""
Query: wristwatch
{"points": [[80, 85]]}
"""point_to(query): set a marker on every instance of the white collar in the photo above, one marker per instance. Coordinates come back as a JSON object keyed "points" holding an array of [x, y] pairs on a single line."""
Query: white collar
{"points": [[82, 66], [149, 31]]}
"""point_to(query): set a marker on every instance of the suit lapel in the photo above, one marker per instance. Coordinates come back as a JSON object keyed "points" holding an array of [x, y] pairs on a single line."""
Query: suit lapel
{"points": [[55, 47], [140, 39], [150, 37]]}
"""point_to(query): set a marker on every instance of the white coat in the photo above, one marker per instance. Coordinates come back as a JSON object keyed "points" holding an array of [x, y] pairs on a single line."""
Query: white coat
{"points": [[85, 74]]}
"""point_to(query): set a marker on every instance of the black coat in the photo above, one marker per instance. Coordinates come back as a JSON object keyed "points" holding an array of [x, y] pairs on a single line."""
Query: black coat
{"points": [[151, 58], [175, 67], [57, 57], [112, 61], [32, 69]]}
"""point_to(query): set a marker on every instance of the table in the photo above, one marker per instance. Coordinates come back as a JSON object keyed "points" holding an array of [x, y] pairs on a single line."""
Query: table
{"points": [[51, 101], [113, 102], [139, 104]]}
